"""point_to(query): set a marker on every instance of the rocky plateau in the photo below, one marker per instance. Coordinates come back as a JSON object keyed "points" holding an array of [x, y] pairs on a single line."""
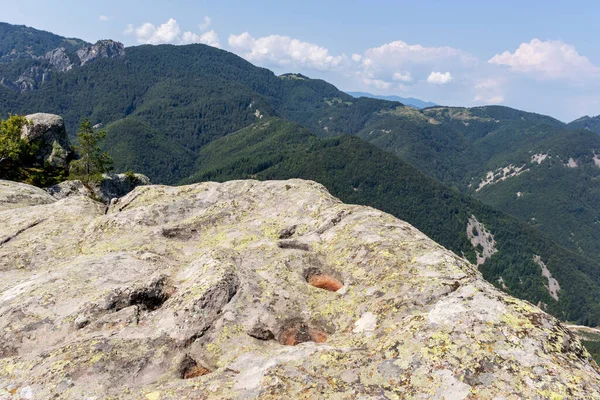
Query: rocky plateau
{"points": [[251, 289]]}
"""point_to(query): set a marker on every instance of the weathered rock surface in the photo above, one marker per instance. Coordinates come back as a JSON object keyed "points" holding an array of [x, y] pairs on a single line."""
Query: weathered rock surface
{"points": [[68, 188], [42, 68], [101, 49], [226, 291], [16, 195], [59, 59], [49, 130], [112, 186], [118, 185]]}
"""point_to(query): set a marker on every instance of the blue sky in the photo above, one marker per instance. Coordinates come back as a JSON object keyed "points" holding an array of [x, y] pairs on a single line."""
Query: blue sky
{"points": [[540, 56]]}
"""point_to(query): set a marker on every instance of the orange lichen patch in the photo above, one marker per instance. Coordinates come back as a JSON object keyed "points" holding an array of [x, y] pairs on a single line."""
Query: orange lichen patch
{"points": [[288, 337], [189, 368], [326, 282], [317, 335], [301, 333], [195, 372]]}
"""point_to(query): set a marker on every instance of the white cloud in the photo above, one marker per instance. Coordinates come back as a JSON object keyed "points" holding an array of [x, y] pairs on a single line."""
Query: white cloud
{"points": [[489, 91], [210, 38], [489, 84], [170, 33], [439, 78], [551, 59], [165, 33], [410, 64], [377, 83], [205, 23], [103, 18], [489, 100], [399, 53], [284, 51], [402, 76]]}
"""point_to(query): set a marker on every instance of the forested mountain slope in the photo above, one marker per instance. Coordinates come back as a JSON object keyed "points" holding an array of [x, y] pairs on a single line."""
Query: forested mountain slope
{"points": [[590, 123], [21, 42]]}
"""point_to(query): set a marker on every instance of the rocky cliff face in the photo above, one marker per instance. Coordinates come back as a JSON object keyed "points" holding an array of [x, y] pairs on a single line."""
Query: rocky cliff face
{"points": [[58, 60], [248, 289], [102, 49]]}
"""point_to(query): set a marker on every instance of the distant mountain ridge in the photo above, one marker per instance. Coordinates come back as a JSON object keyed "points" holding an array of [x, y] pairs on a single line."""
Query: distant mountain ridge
{"points": [[23, 42], [586, 122], [408, 101], [30, 57]]}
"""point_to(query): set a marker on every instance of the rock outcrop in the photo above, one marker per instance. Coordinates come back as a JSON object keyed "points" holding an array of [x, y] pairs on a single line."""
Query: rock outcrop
{"points": [[270, 290], [113, 186], [101, 49], [66, 189], [49, 131], [57, 60]]}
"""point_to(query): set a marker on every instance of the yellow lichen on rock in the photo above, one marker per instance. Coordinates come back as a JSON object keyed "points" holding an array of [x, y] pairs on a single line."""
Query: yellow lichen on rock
{"points": [[259, 290]]}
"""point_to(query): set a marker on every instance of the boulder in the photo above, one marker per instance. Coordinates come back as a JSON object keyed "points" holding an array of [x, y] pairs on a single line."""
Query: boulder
{"points": [[268, 290], [49, 131], [113, 186], [17, 195], [67, 189]]}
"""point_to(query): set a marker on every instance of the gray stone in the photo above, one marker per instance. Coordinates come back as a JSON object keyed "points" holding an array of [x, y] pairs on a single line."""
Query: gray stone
{"points": [[68, 188], [16, 195], [114, 186], [49, 131], [101, 49], [59, 59], [169, 283]]}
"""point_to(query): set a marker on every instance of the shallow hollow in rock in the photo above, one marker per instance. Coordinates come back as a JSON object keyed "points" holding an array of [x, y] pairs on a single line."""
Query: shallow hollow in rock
{"points": [[323, 280], [189, 368], [296, 332]]}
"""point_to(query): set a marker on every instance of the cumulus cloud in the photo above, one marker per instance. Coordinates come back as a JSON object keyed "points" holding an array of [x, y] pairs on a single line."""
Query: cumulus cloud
{"points": [[411, 64], [377, 83], [284, 51], [103, 18], [205, 23], [404, 76], [389, 66], [489, 100], [490, 90], [399, 53], [551, 59], [439, 78], [210, 38], [170, 33], [165, 33]]}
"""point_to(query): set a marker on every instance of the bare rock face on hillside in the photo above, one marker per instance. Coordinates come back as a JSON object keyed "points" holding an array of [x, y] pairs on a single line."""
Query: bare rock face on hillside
{"points": [[101, 49], [258, 290]]}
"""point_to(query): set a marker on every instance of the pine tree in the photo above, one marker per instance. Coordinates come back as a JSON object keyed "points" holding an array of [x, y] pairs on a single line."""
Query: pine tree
{"points": [[92, 161]]}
